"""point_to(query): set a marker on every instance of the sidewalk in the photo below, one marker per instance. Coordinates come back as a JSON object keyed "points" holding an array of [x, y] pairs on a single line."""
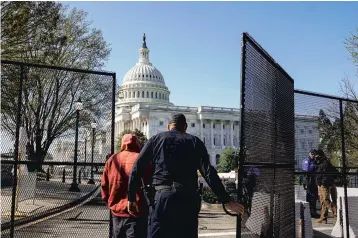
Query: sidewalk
{"points": [[50, 197], [320, 230]]}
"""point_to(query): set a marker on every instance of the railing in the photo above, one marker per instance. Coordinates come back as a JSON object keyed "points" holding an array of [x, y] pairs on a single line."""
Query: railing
{"points": [[171, 108]]}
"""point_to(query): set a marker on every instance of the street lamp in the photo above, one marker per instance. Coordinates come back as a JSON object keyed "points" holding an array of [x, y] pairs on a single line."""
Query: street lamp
{"points": [[74, 186], [93, 125], [85, 151], [84, 169]]}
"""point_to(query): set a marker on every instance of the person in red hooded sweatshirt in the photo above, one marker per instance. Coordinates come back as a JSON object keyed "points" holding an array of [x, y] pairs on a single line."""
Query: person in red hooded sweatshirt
{"points": [[115, 191]]}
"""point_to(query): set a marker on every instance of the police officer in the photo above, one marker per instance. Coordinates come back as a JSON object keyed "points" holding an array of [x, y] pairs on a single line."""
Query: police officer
{"points": [[176, 156], [309, 165]]}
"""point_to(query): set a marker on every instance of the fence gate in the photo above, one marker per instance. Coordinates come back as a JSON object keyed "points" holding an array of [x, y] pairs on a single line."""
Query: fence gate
{"points": [[329, 123], [57, 130], [267, 143]]}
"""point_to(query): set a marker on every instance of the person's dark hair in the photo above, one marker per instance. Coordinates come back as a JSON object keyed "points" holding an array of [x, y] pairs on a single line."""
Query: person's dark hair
{"points": [[320, 153], [179, 121], [313, 151]]}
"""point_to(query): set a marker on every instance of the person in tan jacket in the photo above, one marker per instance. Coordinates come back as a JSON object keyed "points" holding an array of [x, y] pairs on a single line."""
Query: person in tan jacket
{"points": [[114, 185]]}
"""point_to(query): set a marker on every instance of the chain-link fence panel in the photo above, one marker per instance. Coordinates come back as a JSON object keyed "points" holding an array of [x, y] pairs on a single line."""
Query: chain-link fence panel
{"points": [[316, 127], [326, 124], [258, 220], [63, 137], [267, 140], [350, 130]]}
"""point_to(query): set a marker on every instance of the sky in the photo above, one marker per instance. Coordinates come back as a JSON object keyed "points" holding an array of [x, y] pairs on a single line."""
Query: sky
{"points": [[197, 45]]}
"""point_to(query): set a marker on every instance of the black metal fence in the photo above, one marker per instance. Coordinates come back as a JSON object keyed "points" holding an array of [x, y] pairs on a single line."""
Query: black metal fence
{"points": [[331, 124], [279, 127], [267, 143], [57, 130]]}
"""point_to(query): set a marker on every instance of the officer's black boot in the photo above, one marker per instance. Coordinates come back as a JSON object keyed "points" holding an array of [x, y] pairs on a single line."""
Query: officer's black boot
{"points": [[313, 210]]}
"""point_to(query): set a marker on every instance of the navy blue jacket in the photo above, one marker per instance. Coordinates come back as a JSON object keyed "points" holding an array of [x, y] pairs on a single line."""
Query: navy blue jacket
{"points": [[176, 157]]}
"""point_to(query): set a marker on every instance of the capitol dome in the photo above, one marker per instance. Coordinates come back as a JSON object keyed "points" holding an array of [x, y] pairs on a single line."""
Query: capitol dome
{"points": [[144, 83]]}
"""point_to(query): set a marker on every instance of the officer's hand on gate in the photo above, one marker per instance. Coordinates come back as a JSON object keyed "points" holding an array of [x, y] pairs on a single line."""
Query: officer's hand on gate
{"points": [[236, 207], [132, 208]]}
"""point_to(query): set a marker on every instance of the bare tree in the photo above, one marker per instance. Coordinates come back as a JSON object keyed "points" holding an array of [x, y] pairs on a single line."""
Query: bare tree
{"points": [[44, 32], [348, 88]]}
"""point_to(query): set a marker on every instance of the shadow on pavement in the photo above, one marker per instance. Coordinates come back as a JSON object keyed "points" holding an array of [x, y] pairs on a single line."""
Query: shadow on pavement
{"points": [[317, 234]]}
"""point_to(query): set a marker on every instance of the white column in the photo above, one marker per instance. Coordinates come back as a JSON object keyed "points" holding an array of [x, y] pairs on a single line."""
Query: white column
{"points": [[139, 124], [115, 129], [142, 125], [232, 132], [148, 127], [201, 130], [222, 133], [121, 129], [212, 133]]}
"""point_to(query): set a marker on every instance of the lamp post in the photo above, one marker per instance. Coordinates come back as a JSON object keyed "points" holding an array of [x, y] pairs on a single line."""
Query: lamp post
{"points": [[84, 169], [74, 186], [93, 125], [85, 151]]}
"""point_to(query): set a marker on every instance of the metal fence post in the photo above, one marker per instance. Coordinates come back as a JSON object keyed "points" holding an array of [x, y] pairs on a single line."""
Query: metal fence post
{"points": [[242, 126], [114, 90], [48, 174], [302, 221], [16, 152], [344, 169]]}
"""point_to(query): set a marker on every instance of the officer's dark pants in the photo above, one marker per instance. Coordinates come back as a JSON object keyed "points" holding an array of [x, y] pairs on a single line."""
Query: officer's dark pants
{"points": [[312, 195], [129, 227], [174, 215]]}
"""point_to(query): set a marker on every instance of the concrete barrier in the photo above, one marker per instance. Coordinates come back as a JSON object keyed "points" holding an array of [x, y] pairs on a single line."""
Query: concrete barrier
{"points": [[300, 193], [352, 213], [308, 220]]}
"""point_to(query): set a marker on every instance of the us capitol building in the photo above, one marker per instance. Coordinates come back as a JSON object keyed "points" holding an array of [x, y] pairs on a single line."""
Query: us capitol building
{"points": [[144, 104]]}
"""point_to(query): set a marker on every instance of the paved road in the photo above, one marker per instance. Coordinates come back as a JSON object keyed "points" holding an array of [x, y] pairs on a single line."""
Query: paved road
{"points": [[92, 220], [89, 220], [322, 230], [48, 195], [216, 224]]}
